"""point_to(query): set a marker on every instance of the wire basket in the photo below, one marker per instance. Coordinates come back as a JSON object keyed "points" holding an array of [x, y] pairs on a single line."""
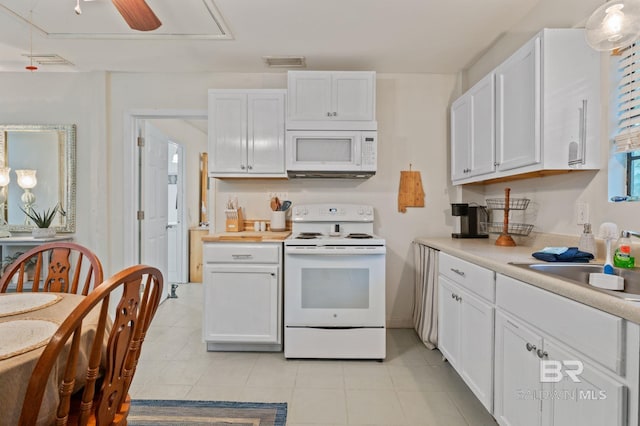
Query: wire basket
{"points": [[523, 229], [514, 203]]}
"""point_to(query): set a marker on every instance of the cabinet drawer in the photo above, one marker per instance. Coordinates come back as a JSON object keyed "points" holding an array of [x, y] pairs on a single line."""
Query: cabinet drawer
{"points": [[588, 330], [241, 253], [475, 278]]}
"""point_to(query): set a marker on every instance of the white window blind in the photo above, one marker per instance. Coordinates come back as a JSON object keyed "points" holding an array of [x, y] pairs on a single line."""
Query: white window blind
{"points": [[628, 135]]}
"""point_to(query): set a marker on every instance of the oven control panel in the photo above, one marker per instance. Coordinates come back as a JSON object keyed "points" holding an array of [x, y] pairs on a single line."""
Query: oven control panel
{"points": [[333, 213]]}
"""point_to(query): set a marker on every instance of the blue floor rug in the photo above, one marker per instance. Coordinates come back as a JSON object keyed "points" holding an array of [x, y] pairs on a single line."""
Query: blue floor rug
{"points": [[148, 412]]}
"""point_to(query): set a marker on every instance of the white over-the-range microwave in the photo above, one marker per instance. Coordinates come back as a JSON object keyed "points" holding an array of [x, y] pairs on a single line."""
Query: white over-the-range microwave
{"points": [[331, 153]]}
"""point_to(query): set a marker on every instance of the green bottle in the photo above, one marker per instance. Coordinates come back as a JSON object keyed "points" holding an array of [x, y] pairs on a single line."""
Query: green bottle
{"points": [[622, 257]]}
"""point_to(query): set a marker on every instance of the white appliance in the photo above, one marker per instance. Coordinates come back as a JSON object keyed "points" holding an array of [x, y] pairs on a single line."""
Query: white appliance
{"points": [[329, 153], [334, 284]]}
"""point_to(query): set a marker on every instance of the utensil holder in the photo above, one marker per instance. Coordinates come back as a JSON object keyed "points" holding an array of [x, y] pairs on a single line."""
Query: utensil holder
{"points": [[278, 220], [235, 220]]}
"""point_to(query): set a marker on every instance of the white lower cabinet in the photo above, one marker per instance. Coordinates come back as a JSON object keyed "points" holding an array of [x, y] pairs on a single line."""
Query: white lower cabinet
{"points": [[242, 296], [532, 357], [465, 331], [542, 382]]}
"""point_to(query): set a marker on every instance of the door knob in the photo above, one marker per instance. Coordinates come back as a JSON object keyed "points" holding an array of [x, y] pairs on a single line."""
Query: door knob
{"points": [[530, 347]]}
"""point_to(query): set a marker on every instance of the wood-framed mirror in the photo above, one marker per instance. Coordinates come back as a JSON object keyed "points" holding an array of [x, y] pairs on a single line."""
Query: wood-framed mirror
{"points": [[50, 150]]}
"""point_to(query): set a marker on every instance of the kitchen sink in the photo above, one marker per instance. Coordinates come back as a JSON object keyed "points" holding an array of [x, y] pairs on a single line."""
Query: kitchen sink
{"points": [[579, 273]]}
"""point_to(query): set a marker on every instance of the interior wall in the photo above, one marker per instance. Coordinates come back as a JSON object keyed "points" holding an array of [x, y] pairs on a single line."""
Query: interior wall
{"points": [[70, 98], [413, 129]]}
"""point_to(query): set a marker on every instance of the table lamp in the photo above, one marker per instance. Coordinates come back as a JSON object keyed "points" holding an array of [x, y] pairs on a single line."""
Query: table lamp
{"points": [[4, 181], [27, 181]]}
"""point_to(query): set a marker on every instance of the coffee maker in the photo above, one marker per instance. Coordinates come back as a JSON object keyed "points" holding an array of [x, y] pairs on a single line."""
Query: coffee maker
{"points": [[471, 218]]}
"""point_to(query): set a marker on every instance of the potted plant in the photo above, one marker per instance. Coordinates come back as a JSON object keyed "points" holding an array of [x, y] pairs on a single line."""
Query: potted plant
{"points": [[42, 221]]}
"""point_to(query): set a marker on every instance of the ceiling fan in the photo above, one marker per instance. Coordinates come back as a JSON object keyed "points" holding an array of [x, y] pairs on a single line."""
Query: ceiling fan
{"points": [[136, 13]]}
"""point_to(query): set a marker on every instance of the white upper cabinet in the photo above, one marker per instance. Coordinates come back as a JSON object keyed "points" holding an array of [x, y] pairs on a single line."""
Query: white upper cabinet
{"points": [[331, 100], [546, 111], [246, 133], [472, 131]]}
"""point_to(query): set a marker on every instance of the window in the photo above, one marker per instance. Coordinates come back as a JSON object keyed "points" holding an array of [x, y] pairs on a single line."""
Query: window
{"points": [[627, 139]]}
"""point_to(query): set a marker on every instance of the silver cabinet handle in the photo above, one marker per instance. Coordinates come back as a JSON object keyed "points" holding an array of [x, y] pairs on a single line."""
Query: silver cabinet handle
{"points": [[242, 166], [242, 256], [335, 113], [453, 296], [458, 298], [250, 167], [328, 114], [542, 354], [530, 347], [457, 271], [496, 164]]}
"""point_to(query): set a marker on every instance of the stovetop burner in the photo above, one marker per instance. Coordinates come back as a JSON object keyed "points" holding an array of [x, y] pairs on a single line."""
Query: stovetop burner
{"points": [[359, 236], [308, 235]]}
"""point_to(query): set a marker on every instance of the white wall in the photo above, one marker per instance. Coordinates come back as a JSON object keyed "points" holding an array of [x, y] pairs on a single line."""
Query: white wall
{"points": [[70, 98], [412, 121]]}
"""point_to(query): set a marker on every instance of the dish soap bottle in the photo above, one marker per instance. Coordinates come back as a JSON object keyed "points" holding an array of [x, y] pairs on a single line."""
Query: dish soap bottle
{"points": [[622, 257], [587, 241]]}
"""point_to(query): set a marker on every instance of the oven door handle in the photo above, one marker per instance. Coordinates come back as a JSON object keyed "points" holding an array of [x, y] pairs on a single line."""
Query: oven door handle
{"points": [[324, 251]]}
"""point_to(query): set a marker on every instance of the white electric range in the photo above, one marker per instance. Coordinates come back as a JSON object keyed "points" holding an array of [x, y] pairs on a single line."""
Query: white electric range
{"points": [[334, 285]]}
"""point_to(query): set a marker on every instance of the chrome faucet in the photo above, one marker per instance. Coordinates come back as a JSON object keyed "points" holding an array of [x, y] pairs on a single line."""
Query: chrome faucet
{"points": [[626, 234]]}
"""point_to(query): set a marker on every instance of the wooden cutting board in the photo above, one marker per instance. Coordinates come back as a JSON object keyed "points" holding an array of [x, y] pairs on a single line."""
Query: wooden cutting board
{"points": [[410, 193]]}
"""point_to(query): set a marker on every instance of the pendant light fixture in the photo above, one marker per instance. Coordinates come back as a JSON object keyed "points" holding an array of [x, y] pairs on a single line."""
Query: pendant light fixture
{"points": [[31, 67], [614, 25]]}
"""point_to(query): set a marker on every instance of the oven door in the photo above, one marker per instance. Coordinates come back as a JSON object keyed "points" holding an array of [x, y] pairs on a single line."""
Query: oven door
{"points": [[335, 290]]}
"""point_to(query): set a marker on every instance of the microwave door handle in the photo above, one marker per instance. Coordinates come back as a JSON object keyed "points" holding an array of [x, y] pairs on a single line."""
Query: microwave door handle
{"points": [[357, 149]]}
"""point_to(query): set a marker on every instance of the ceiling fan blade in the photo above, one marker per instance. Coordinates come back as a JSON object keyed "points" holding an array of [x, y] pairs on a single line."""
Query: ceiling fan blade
{"points": [[137, 14]]}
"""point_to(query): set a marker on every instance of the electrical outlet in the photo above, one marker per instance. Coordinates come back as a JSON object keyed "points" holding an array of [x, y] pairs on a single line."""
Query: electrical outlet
{"points": [[582, 212]]}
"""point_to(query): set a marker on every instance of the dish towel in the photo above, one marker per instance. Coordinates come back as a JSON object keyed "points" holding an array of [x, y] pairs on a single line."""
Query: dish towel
{"points": [[563, 254]]}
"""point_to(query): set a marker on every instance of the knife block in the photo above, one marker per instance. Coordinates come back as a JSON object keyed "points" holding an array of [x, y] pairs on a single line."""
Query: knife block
{"points": [[235, 220]]}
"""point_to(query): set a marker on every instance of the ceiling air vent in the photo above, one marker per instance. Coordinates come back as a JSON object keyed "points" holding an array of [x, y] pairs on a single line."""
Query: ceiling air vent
{"points": [[285, 61], [47, 59]]}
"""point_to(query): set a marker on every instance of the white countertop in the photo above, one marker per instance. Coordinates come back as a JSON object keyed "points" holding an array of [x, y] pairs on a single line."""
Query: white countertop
{"points": [[485, 253]]}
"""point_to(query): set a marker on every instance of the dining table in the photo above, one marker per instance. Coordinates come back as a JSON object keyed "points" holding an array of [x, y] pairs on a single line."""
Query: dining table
{"points": [[27, 322]]}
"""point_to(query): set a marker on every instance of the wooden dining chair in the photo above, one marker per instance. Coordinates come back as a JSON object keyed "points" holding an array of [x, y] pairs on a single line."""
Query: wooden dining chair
{"points": [[61, 267], [107, 361]]}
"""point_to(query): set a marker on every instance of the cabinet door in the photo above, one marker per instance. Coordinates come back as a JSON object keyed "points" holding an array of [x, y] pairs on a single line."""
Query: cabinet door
{"points": [[482, 99], [449, 321], [265, 142], [352, 96], [241, 304], [309, 95], [517, 382], [476, 347], [460, 137], [596, 399], [227, 133], [518, 108]]}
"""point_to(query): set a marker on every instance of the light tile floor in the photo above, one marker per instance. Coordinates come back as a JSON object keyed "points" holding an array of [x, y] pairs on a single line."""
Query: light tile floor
{"points": [[413, 386]]}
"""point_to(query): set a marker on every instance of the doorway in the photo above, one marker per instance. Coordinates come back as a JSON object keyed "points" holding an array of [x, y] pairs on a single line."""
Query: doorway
{"points": [[144, 244]]}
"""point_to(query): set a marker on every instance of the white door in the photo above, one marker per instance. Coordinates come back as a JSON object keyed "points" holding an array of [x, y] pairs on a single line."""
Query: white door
{"points": [[448, 322], [265, 141], [517, 367], [176, 229], [518, 108], [153, 228], [595, 399], [227, 132], [352, 96], [309, 95], [482, 98], [460, 137], [242, 304], [476, 347]]}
